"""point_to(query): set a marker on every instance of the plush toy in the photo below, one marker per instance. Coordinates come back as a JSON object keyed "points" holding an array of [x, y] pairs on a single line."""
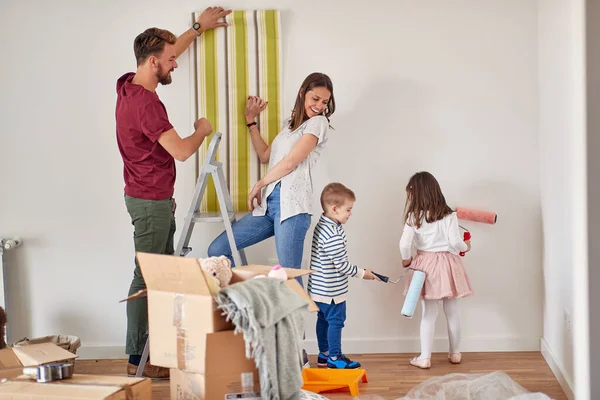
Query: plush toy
{"points": [[219, 268], [277, 272]]}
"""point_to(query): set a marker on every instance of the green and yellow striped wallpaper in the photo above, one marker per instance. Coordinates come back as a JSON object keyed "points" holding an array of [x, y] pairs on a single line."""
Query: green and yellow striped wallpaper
{"points": [[233, 63]]}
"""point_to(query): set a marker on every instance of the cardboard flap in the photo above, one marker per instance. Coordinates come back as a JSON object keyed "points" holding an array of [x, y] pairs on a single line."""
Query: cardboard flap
{"points": [[8, 359], [80, 386], [295, 272], [102, 380], [24, 389], [295, 286], [139, 294], [11, 373], [172, 274], [42, 353], [239, 274]]}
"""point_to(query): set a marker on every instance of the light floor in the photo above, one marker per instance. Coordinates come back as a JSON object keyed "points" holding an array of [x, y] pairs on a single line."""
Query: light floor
{"points": [[390, 376]]}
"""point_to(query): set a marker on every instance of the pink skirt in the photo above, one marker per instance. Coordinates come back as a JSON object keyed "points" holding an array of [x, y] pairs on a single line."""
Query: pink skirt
{"points": [[445, 275]]}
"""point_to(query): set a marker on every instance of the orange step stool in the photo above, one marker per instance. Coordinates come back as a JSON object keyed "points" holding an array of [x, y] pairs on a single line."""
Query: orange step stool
{"points": [[319, 380]]}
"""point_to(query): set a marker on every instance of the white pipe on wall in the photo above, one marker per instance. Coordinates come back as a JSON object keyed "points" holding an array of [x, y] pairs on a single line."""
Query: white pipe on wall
{"points": [[6, 245]]}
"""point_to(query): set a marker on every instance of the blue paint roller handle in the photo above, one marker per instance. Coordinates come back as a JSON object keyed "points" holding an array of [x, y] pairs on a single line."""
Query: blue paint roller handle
{"points": [[413, 294]]}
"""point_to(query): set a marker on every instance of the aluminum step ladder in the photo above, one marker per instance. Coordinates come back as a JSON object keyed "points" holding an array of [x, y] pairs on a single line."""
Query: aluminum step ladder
{"points": [[214, 168]]}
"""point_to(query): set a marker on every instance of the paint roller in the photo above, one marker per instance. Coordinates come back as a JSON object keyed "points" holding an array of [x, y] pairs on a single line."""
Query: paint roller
{"points": [[413, 294], [469, 214], [414, 290]]}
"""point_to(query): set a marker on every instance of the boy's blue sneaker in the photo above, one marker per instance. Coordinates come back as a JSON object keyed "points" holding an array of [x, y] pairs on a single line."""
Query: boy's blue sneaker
{"points": [[342, 362], [322, 360]]}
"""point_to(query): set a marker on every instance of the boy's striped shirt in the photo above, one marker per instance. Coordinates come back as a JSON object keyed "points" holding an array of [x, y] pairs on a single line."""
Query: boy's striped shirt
{"points": [[329, 263]]}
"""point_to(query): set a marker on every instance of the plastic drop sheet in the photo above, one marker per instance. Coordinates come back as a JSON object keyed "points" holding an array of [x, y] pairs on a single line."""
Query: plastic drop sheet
{"points": [[492, 386], [306, 395]]}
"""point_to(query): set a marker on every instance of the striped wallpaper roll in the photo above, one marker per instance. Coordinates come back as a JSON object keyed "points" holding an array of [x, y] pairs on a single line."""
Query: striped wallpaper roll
{"points": [[232, 63]]}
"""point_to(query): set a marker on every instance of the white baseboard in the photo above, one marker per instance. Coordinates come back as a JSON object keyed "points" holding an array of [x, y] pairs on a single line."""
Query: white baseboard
{"points": [[368, 346], [101, 352], [557, 369], [413, 345]]}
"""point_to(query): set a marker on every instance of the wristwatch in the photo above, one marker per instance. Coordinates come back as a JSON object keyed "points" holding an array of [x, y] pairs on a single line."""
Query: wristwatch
{"points": [[196, 27]]}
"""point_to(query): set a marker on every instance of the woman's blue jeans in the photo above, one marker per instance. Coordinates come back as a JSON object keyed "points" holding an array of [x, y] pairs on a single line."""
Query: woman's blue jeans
{"points": [[289, 234]]}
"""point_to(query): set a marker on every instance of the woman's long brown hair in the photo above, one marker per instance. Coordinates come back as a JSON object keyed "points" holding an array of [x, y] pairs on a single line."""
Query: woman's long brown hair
{"points": [[316, 79], [424, 200]]}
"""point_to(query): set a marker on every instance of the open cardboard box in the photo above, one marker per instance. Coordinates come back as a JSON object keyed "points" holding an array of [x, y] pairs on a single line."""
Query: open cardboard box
{"points": [[14, 385], [182, 310], [80, 386], [13, 359]]}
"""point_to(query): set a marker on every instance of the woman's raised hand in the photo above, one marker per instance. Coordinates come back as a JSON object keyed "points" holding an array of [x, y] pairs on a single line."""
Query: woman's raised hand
{"points": [[254, 105]]}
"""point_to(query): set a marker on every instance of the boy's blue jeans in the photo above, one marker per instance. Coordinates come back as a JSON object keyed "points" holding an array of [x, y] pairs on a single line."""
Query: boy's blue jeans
{"points": [[330, 321], [289, 234]]}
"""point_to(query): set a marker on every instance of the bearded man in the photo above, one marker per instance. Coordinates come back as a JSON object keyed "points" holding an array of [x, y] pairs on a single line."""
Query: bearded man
{"points": [[149, 146]]}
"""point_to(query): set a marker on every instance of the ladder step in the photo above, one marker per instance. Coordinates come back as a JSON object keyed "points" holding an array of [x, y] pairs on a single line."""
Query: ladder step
{"points": [[212, 217]]}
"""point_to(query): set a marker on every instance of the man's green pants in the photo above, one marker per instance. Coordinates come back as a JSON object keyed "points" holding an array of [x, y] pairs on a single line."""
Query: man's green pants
{"points": [[154, 228]]}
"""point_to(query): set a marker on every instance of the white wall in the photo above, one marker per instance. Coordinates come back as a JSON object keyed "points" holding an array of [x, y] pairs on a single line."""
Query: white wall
{"points": [[587, 355], [451, 88], [562, 148]]}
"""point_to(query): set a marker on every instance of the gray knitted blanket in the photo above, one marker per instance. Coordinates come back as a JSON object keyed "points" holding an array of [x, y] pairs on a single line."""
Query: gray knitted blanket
{"points": [[271, 318]]}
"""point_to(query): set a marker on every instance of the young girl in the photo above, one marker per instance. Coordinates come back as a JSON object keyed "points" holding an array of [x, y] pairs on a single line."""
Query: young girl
{"points": [[432, 227]]}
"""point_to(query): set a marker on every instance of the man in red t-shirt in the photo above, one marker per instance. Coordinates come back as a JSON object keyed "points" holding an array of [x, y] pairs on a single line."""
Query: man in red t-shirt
{"points": [[149, 146]]}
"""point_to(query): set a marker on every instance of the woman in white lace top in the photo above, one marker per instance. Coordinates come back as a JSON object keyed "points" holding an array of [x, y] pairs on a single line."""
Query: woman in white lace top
{"points": [[281, 200]]}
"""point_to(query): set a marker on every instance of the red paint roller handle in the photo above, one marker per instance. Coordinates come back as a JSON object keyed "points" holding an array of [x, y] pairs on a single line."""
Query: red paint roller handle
{"points": [[466, 236]]}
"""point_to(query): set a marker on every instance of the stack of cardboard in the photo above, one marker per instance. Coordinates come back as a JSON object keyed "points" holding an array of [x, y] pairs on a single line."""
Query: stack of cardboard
{"points": [[191, 337], [15, 385]]}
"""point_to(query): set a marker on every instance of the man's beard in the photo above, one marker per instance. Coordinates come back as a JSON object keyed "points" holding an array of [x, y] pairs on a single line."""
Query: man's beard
{"points": [[164, 78]]}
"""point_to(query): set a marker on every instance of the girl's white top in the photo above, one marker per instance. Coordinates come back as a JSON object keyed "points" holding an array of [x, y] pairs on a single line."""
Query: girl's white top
{"points": [[441, 235], [296, 190]]}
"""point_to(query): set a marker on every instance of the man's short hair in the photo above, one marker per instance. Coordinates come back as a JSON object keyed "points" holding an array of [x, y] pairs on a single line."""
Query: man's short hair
{"points": [[151, 42], [335, 194]]}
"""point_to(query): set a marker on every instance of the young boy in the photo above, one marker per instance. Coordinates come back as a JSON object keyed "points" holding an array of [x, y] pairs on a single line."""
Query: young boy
{"points": [[328, 283]]}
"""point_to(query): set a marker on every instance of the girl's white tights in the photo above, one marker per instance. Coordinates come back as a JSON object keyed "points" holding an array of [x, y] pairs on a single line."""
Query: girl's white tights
{"points": [[430, 313]]}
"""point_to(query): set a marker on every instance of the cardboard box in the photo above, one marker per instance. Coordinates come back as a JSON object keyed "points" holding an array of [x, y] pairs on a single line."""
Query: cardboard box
{"points": [[230, 374], [13, 385], [182, 311], [88, 387], [13, 359]]}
